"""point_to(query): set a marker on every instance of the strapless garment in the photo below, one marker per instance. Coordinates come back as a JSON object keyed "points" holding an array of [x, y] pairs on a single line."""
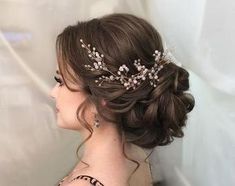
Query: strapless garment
{"points": [[93, 181]]}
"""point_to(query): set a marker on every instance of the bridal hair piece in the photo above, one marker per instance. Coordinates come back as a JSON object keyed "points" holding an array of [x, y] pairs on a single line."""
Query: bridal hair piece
{"points": [[127, 80]]}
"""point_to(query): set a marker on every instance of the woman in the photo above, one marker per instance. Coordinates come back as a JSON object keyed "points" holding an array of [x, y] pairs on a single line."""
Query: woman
{"points": [[121, 91]]}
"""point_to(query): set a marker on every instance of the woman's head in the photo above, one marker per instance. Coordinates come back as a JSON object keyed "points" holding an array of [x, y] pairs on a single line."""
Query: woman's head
{"points": [[147, 116]]}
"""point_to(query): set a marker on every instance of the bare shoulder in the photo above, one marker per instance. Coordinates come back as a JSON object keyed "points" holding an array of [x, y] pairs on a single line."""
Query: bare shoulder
{"points": [[79, 183], [84, 180], [116, 173], [96, 177]]}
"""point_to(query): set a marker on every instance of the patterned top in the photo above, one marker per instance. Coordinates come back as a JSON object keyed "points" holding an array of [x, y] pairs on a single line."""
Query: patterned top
{"points": [[93, 181]]}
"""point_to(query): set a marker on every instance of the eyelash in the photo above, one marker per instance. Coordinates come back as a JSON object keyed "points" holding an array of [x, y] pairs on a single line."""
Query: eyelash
{"points": [[58, 80]]}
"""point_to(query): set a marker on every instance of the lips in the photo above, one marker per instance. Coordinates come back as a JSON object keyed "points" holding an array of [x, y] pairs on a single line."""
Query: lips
{"points": [[57, 110]]}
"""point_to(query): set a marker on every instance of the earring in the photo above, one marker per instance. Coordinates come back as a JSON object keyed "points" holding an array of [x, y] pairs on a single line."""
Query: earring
{"points": [[97, 121]]}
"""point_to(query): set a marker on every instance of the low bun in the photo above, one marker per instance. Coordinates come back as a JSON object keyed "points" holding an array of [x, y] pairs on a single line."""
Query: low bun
{"points": [[160, 117]]}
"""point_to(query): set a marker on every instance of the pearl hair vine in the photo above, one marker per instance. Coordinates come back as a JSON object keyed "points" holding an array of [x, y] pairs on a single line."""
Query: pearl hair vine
{"points": [[128, 81]]}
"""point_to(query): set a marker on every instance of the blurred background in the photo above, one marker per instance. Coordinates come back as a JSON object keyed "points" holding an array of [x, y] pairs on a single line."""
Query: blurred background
{"points": [[35, 152]]}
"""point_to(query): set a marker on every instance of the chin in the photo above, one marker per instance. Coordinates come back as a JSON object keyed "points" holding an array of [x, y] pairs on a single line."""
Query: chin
{"points": [[67, 126]]}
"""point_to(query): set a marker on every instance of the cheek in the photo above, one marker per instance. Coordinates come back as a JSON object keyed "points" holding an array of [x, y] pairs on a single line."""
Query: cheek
{"points": [[69, 103]]}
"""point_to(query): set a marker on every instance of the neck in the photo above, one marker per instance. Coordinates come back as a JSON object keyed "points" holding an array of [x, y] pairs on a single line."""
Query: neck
{"points": [[105, 143]]}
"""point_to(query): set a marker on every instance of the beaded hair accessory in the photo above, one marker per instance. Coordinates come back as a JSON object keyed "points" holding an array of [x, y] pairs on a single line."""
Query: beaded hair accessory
{"points": [[127, 80]]}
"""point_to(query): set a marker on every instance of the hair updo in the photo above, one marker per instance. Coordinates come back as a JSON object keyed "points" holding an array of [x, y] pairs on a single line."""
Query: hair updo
{"points": [[147, 116]]}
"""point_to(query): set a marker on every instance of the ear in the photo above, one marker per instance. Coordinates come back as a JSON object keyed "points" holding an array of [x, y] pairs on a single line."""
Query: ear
{"points": [[93, 108], [103, 102]]}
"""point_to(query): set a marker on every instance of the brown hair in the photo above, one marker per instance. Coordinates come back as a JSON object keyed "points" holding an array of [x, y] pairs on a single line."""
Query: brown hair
{"points": [[147, 116]]}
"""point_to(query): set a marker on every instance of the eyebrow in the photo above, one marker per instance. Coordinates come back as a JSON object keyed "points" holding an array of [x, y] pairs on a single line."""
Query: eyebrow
{"points": [[57, 72]]}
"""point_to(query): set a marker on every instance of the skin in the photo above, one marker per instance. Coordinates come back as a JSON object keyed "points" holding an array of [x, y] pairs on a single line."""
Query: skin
{"points": [[105, 143]]}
